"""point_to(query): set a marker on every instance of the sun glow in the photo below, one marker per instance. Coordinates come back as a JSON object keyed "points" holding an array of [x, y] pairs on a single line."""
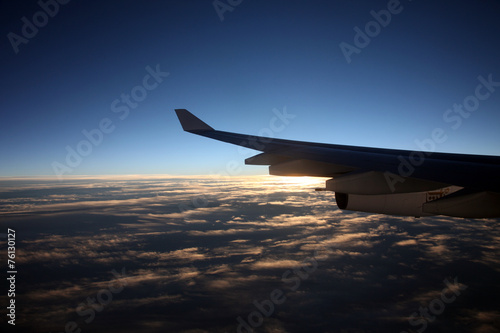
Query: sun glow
{"points": [[300, 181]]}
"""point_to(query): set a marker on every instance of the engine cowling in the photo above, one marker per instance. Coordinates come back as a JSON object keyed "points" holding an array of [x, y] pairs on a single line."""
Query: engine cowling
{"points": [[406, 204], [468, 204]]}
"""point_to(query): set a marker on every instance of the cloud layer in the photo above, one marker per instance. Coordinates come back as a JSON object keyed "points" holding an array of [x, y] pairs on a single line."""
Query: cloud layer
{"points": [[206, 255]]}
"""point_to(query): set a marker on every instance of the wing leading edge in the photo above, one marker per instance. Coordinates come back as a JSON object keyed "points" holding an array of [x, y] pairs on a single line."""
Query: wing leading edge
{"points": [[385, 176]]}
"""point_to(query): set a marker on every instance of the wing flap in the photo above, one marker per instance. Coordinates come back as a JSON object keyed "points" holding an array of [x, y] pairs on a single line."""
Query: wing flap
{"points": [[303, 167], [266, 159]]}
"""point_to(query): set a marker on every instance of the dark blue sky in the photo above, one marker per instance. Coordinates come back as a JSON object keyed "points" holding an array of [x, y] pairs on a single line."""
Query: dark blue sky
{"points": [[237, 74]]}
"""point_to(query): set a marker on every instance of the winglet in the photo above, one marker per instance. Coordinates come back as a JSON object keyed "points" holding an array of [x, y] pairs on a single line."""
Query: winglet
{"points": [[190, 122]]}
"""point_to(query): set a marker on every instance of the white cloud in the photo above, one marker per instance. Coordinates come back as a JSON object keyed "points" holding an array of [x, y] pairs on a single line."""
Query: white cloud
{"points": [[406, 242]]}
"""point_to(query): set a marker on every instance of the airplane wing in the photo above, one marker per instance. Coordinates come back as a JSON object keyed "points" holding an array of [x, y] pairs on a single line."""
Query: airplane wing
{"points": [[387, 181]]}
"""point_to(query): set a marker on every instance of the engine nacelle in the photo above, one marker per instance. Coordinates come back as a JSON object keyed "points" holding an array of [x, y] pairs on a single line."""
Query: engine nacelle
{"points": [[485, 204], [406, 204]]}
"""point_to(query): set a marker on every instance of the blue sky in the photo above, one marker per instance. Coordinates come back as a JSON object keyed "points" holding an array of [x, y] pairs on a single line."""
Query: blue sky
{"points": [[232, 73]]}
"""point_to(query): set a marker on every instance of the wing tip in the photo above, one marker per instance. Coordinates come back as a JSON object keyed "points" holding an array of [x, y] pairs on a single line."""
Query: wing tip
{"points": [[190, 122]]}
